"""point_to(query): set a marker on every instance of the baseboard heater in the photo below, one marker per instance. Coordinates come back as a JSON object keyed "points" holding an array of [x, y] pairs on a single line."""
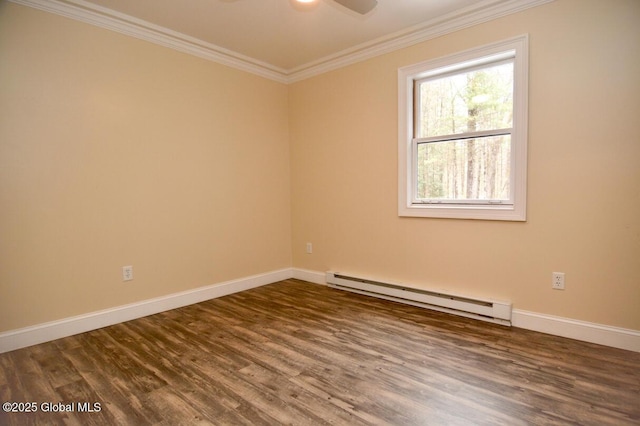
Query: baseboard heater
{"points": [[494, 311]]}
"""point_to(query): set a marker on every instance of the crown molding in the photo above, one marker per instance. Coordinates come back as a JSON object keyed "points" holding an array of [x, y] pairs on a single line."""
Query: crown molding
{"points": [[467, 17], [99, 16], [89, 13]]}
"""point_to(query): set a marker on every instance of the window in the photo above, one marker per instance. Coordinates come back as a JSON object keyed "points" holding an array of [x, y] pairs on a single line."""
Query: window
{"points": [[463, 134]]}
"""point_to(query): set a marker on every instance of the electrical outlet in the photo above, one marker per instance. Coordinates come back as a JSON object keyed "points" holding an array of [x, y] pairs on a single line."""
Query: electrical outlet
{"points": [[127, 273], [557, 281], [309, 248]]}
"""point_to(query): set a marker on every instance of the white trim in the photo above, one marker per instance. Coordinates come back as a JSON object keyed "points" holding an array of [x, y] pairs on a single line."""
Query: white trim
{"points": [[119, 22], [516, 210], [565, 327], [90, 13], [16, 339], [310, 276], [622, 338], [464, 18]]}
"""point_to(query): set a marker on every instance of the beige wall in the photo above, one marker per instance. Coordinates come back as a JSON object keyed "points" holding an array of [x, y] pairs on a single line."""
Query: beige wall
{"points": [[115, 151], [583, 180]]}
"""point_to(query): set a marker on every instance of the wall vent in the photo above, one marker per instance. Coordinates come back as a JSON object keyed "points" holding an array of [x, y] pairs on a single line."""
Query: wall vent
{"points": [[490, 310]]}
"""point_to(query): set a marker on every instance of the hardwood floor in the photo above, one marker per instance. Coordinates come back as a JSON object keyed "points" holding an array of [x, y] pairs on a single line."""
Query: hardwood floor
{"points": [[304, 354]]}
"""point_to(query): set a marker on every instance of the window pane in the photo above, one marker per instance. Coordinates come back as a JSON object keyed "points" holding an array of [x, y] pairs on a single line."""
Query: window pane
{"points": [[469, 169], [466, 102]]}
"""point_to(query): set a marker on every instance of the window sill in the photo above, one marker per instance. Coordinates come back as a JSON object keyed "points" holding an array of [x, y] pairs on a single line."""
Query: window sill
{"points": [[487, 212]]}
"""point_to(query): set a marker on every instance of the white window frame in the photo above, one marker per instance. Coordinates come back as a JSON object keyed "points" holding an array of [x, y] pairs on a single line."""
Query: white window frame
{"points": [[515, 208]]}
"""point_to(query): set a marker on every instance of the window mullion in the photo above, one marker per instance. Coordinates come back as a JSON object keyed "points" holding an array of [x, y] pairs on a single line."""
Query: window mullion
{"points": [[466, 135]]}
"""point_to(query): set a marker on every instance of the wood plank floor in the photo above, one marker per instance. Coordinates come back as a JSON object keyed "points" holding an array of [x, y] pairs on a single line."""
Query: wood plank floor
{"points": [[304, 354]]}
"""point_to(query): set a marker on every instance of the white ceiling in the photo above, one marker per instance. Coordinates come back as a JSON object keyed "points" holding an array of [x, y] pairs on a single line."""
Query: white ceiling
{"points": [[275, 37]]}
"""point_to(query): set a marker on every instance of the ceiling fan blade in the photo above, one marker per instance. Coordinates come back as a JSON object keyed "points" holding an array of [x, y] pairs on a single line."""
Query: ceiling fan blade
{"points": [[361, 6]]}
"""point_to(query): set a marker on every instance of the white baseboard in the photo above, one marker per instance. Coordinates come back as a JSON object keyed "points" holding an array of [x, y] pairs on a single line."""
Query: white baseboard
{"points": [[310, 276], [16, 339], [622, 338], [616, 337]]}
